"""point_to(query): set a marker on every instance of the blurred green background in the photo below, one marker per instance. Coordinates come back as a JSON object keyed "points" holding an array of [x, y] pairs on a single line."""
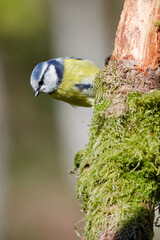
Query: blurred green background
{"points": [[39, 137]]}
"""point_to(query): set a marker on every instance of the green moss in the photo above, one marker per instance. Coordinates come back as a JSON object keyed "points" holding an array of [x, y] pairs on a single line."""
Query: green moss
{"points": [[157, 24], [119, 168]]}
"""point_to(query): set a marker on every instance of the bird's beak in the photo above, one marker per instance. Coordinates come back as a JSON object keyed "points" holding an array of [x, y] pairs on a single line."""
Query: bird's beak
{"points": [[36, 93]]}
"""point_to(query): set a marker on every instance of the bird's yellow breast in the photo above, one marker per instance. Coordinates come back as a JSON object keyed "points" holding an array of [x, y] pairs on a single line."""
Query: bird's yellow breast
{"points": [[76, 72]]}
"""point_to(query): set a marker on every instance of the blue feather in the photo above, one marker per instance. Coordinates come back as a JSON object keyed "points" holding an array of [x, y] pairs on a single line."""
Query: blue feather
{"points": [[37, 71], [82, 86]]}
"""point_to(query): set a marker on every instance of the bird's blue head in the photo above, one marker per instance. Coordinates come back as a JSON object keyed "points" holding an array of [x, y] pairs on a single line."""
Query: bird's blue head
{"points": [[47, 76]]}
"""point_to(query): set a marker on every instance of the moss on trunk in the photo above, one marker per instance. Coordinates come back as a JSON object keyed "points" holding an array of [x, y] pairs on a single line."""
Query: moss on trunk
{"points": [[118, 171]]}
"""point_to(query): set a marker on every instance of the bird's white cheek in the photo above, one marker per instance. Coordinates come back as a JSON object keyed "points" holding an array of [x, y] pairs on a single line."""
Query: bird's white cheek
{"points": [[50, 80]]}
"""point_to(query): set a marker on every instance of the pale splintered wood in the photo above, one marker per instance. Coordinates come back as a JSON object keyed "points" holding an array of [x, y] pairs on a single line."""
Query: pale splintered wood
{"points": [[137, 37]]}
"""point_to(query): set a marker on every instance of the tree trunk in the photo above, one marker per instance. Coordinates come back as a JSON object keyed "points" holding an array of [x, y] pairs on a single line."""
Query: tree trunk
{"points": [[138, 33], [119, 178]]}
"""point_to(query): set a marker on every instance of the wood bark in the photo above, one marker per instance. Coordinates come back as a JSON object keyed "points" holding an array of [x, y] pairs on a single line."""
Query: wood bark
{"points": [[138, 33]]}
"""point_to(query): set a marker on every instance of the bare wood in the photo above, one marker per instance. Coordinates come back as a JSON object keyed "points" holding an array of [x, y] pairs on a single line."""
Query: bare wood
{"points": [[137, 36]]}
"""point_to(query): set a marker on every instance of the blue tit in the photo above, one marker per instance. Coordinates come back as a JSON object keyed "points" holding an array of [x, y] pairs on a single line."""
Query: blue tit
{"points": [[66, 79]]}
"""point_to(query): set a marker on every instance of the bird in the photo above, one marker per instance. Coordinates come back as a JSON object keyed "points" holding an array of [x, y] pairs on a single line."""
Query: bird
{"points": [[67, 79]]}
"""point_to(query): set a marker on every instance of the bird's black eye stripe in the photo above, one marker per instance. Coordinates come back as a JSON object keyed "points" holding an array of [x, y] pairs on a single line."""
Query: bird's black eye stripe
{"points": [[41, 82]]}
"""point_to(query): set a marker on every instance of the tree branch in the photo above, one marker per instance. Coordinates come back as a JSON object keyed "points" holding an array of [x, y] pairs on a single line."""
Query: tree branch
{"points": [[119, 180]]}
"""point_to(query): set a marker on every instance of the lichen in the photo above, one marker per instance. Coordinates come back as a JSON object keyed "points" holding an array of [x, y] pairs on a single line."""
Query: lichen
{"points": [[119, 170], [157, 24]]}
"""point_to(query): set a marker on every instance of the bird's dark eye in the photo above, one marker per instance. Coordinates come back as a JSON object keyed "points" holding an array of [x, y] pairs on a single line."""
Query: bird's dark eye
{"points": [[41, 82]]}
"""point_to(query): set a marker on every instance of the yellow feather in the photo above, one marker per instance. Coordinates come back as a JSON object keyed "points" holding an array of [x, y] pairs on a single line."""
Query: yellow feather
{"points": [[76, 72]]}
